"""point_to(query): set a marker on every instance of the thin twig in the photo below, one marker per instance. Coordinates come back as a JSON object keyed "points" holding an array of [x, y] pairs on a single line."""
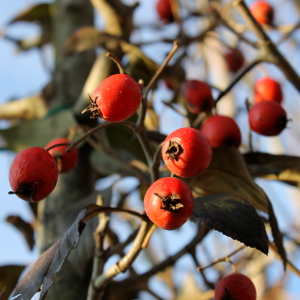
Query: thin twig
{"points": [[99, 127], [268, 50], [289, 265], [161, 68], [122, 265], [156, 162], [222, 259], [241, 73]]}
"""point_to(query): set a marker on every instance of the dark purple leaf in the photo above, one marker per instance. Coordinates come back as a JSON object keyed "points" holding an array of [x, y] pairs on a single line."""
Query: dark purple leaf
{"points": [[233, 216]]}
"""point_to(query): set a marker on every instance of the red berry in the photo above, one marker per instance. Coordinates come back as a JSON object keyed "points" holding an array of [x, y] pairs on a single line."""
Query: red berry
{"points": [[235, 286], [198, 96], [170, 83], [169, 203], [186, 152], [65, 161], [115, 99], [222, 130], [164, 10], [33, 174], [234, 59], [267, 89], [267, 118], [263, 12]]}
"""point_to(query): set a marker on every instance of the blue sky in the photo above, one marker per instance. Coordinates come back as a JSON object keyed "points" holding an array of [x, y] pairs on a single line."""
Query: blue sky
{"points": [[22, 74]]}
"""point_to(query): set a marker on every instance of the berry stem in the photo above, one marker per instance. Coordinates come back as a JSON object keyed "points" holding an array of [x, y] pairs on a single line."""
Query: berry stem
{"points": [[152, 81], [57, 145], [117, 62], [156, 163]]}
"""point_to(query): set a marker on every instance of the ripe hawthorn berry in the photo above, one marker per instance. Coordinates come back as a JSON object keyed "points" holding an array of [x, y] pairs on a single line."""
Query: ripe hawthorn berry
{"points": [[198, 96], [115, 99], [169, 203], [164, 10], [235, 286], [33, 174], [263, 12], [186, 152], [65, 161], [234, 59], [267, 118], [222, 130], [267, 89]]}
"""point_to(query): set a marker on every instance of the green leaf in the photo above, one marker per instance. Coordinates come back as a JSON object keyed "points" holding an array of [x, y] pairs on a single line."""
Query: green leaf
{"points": [[233, 216], [38, 132], [9, 276]]}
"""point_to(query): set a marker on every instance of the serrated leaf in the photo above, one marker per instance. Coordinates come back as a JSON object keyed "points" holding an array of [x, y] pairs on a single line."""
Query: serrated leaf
{"points": [[9, 275], [80, 258], [42, 273], [85, 38], [278, 167], [277, 235], [38, 132], [233, 216], [228, 173]]}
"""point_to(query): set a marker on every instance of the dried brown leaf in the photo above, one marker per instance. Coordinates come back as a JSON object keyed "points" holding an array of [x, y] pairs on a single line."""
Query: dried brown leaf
{"points": [[9, 275], [24, 227], [42, 273], [85, 38], [279, 167]]}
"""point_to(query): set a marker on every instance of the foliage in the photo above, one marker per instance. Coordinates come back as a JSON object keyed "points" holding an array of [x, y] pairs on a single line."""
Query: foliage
{"points": [[227, 196]]}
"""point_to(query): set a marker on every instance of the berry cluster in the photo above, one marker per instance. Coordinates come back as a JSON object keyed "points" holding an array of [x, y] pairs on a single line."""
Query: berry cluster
{"points": [[267, 117], [34, 171]]}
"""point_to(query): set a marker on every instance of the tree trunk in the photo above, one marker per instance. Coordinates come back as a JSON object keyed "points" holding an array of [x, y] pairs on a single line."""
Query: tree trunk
{"points": [[69, 77]]}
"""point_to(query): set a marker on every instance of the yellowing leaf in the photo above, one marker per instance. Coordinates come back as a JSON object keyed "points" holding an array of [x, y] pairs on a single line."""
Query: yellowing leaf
{"points": [[228, 173]]}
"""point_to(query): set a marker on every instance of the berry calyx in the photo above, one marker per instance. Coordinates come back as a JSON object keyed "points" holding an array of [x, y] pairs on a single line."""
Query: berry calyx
{"points": [[65, 161], [267, 89], [186, 152], [198, 96], [164, 10], [263, 12], [33, 174], [267, 118], [235, 286], [115, 99], [221, 131], [234, 59], [169, 203]]}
